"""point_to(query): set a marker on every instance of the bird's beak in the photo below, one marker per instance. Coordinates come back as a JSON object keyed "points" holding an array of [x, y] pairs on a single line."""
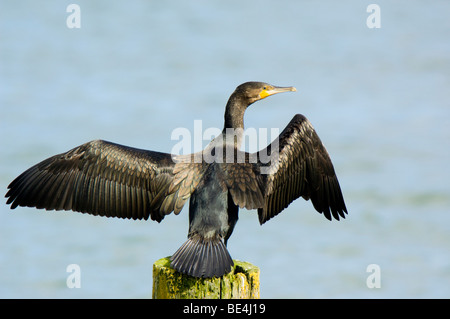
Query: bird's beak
{"points": [[276, 89]]}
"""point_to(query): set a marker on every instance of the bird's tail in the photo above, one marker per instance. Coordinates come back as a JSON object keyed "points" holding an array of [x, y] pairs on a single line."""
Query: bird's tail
{"points": [[200, 257]]}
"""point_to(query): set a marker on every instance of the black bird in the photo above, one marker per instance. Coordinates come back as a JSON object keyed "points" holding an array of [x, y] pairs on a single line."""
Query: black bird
{"points": [[106, 179]]}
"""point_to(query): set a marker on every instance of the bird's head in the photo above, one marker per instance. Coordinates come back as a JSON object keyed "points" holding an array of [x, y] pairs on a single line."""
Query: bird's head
{"points": [[246, 94], [255, 91]]}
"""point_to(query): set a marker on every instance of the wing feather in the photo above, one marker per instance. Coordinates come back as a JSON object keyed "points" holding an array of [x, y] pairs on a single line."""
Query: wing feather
{"points": [[244, 183]]}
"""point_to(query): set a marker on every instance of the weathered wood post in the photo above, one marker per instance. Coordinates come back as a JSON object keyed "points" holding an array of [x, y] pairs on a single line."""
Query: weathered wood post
{"points": [[241, 283]]}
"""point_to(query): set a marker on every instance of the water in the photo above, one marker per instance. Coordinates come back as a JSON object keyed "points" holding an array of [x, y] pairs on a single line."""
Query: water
{"points": [[379, 99]]}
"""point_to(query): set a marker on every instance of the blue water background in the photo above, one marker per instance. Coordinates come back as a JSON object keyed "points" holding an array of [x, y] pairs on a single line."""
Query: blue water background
{"points": [[135, 71]]}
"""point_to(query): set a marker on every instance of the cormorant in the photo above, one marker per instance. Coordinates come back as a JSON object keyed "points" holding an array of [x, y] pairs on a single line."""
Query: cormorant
{"points": [[106, 179]]}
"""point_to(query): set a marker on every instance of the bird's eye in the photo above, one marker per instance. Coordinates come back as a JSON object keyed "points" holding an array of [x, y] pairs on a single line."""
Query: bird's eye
{"points": [[264, 88]]}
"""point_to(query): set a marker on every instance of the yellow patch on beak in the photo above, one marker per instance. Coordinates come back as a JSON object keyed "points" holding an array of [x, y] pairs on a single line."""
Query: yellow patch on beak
{"points": [[264, 94]]}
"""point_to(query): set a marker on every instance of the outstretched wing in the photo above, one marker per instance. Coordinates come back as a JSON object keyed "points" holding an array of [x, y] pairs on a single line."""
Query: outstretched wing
{"points": [[302, 167], [105, 179]]}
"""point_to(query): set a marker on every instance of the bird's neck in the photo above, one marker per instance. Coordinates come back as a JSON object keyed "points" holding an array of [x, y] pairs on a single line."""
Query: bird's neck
{"points": [[234, 120], [234, 113]]}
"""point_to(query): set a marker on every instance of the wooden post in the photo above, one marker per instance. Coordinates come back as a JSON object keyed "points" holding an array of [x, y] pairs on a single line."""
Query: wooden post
{"points": [[241, 283]]}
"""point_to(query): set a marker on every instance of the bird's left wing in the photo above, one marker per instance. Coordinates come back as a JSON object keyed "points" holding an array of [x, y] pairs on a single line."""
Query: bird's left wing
{"points": [[105, 179]]}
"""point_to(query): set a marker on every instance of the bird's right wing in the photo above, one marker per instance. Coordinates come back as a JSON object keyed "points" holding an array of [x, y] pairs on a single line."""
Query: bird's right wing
{"points": [[300, 166], [105, 179]]}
